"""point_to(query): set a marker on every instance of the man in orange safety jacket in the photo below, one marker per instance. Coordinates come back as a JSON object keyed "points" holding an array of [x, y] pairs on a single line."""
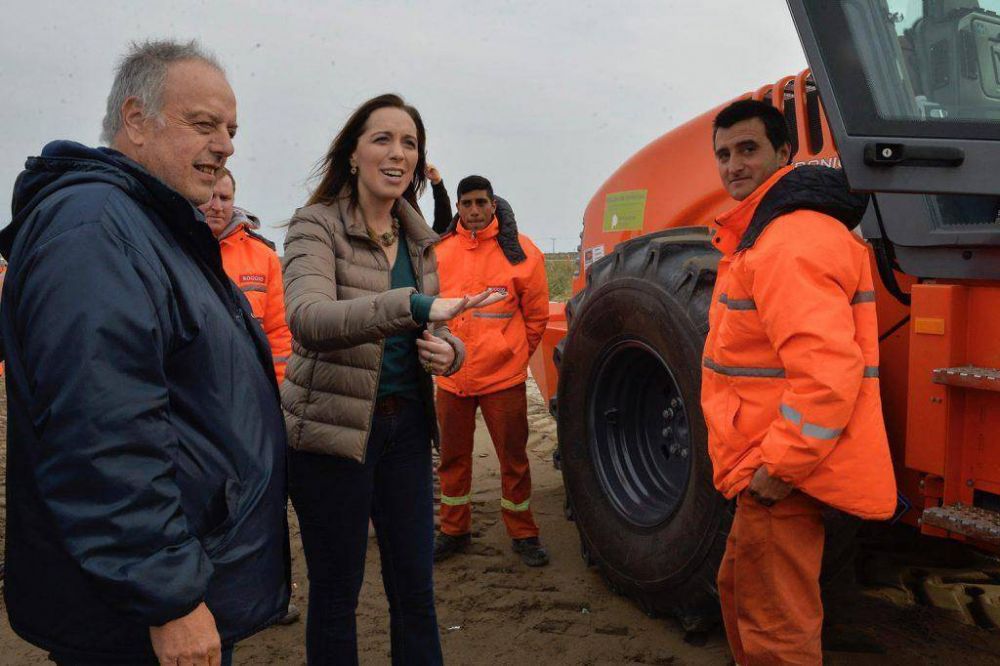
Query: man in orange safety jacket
{"points": [[476, 254], [250, 261], [790, 388]]}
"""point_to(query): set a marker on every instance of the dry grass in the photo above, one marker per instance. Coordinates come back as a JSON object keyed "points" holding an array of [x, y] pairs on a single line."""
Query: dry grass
{"points": [[559, 268]]}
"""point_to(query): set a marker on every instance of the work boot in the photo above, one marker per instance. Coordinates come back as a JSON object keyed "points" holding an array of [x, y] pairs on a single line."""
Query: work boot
{"points": [[531, 551], [446, 545], [291, 614]]}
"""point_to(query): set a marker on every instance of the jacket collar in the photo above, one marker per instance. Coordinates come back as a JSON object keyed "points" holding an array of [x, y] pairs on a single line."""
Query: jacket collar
{"points": [[233, 234], [66, 163], [507, 236], [240, 219], [815, 188], [418, 234], [734, 222], [491, 230]]}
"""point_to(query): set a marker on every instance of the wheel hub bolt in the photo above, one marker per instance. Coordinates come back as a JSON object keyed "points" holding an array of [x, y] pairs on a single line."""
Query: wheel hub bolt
{"points": [[684, 453], [668, 432], [675, 403], [668, 414]]}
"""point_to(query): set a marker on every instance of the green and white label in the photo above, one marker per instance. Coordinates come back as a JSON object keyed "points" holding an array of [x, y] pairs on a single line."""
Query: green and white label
{"points": [[625, 211]]}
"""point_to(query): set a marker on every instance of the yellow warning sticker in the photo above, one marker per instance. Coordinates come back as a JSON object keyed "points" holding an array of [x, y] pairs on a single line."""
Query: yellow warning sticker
{"points": [[625, 211]]}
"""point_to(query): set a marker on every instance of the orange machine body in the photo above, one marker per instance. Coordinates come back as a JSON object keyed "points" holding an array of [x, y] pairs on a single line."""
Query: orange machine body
{"points": [[954, 396], [942, 425]]}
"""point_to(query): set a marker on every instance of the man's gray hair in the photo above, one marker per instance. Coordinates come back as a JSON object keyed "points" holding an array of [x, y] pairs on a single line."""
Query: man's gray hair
{"points": [[142, 73]]}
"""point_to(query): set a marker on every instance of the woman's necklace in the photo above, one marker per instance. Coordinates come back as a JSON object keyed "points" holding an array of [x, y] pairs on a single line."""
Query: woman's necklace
{"points": [[387, 238]]}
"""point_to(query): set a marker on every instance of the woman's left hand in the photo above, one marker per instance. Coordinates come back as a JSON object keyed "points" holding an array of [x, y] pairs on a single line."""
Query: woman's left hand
{"points": [[436, 355]]}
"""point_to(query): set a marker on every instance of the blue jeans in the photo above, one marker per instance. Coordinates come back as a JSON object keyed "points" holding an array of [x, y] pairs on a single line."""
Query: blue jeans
{"points": [[334, 498]]}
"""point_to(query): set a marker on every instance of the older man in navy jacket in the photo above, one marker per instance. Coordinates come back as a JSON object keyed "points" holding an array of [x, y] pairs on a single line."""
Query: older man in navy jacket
{"points": [[145, 470]]}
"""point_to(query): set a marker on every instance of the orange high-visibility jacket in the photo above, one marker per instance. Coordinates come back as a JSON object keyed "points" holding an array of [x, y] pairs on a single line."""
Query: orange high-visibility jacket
{"points": [[790, 370], [499, 339], [254, 266]]}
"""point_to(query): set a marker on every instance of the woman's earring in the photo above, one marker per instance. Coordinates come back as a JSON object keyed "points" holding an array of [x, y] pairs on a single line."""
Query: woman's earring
{"points": [[354, 170]]}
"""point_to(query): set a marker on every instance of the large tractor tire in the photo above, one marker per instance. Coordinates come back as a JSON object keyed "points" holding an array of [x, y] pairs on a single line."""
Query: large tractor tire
{"points": [[633, 445], [632, 440]]}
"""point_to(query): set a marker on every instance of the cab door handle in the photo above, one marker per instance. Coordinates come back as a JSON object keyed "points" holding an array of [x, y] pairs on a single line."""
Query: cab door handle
{"points": [[898, 154]]}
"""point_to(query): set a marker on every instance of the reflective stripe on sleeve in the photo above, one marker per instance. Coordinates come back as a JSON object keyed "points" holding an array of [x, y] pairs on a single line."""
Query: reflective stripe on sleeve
{"points": [[510, 506], [254, 287], [863, 297], [734, 371], [819, 432], [791, 414], [737, 303], [280, 359], [808, 429], [456, 501], [493, 315], [869, 372]]}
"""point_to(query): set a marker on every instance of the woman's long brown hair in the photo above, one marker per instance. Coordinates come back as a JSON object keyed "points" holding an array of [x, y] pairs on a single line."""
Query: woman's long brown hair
{"points": [[334, 171]]}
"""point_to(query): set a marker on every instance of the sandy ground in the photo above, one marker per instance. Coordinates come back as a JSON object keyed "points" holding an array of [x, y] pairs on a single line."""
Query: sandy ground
{"points": [[493, 610]]}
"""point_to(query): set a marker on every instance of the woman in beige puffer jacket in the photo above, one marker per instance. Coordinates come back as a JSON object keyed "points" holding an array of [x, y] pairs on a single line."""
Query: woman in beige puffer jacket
{"points": [[368, 332]]}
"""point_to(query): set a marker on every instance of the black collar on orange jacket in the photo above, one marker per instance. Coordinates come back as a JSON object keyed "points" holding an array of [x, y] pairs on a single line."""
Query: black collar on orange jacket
{"points": [[808, 187]]}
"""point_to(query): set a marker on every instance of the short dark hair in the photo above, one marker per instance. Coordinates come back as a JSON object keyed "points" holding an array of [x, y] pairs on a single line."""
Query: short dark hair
{"points": [[774, 123], [473, 183], [223, 172]]}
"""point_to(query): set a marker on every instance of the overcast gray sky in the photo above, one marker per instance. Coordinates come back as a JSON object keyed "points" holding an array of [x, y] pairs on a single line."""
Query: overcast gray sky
{"points": [[545, 98]]}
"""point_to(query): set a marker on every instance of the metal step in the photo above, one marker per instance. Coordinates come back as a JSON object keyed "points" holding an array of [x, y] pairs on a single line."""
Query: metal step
{"points": [[970, 521], [968, 376]]}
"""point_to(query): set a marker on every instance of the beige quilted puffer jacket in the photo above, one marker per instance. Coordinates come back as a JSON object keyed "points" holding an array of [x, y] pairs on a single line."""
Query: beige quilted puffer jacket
{"points": [[340, 309]]}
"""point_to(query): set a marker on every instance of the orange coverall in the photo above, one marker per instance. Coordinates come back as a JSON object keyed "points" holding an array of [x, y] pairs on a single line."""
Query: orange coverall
{"points": [[253, 265], [790, 382], [499, 340]]}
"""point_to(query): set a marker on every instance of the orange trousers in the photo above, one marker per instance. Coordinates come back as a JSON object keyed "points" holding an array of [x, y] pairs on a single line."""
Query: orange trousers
{"points": [[506, 416], [769, 582]]}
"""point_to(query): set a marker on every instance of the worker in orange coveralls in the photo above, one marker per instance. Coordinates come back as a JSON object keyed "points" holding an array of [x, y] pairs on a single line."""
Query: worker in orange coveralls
{"points": [[250, 261], [478, 253], [790, 388]]}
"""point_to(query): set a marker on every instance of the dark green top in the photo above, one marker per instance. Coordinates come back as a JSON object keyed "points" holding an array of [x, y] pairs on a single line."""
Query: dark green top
{"points": [[400, 364]]}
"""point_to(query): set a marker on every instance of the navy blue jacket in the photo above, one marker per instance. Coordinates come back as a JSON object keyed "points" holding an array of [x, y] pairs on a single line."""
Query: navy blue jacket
{"points": [[146, 446]]}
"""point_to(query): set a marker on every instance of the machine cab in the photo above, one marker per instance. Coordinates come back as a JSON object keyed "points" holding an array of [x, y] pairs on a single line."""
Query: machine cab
{"points": [[912, 94]]}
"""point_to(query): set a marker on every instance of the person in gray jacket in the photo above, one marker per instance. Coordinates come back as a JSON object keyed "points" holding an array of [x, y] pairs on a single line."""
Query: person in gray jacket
{"points": [[360, 296]]}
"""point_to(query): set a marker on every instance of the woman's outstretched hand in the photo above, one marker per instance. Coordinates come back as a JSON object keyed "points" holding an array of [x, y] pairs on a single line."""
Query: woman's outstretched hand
{"points": [[436, 355], [444, 309]]}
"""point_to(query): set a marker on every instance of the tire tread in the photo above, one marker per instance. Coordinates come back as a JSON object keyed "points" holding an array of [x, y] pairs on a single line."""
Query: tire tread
{"points": [[683, 262]]}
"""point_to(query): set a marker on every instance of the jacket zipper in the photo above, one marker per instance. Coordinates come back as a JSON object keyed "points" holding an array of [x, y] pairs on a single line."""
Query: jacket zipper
{"points": [[381, 355], [460, 377], [435, 431], [420, 270]]}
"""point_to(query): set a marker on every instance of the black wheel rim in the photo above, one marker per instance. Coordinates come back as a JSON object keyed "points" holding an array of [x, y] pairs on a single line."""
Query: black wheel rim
{"points": [[640, 437]]}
